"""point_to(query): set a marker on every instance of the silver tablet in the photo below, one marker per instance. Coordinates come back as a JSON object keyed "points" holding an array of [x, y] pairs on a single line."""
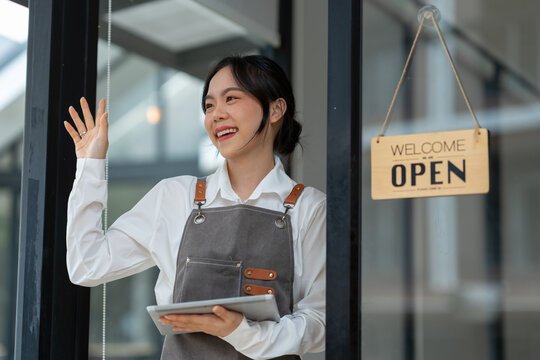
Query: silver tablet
{"points": [[258, 307]]}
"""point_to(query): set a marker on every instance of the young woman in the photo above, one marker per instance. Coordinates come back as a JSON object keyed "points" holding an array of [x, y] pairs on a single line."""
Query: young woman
{"points": [[247, 229]]}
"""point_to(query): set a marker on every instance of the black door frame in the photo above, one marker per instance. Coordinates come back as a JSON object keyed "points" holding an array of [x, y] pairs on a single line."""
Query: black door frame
{"points": [[52, 313], [344, 141]]}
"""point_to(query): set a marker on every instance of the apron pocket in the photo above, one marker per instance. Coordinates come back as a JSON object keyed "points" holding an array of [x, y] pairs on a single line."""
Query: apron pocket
{"points": [[206, 279]]}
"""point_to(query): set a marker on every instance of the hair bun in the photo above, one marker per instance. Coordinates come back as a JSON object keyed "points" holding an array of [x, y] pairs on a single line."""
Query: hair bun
{"points": [[287, 137]]}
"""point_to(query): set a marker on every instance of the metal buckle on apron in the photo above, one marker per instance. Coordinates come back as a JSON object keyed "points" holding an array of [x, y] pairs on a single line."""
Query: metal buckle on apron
{"points": [[199, 219], [200, 199], [280, 222], [289, 203]]}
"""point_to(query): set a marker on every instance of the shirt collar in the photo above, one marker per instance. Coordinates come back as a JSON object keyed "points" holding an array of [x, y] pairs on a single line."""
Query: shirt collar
{"points": [[275, 182]]}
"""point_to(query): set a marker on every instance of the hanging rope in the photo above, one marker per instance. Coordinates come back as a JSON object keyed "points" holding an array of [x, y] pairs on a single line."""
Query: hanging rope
{"points": [[454, 70], [106, 210], [420, 27]]}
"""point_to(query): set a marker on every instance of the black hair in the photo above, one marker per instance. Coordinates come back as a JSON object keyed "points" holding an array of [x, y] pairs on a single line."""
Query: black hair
{"points": [[266, 81]]}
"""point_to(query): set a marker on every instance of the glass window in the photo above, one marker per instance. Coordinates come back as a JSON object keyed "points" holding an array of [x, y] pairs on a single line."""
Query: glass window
{"points": [[454, 277], [13, 38], [160, 52]]}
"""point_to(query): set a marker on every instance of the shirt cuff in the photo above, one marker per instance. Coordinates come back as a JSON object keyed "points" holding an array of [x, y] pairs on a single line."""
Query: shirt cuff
{"points": [[239, 335], [91, 168]]}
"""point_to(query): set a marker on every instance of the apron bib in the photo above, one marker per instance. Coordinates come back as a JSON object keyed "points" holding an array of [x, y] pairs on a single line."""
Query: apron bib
{"points": [[231, 251]]}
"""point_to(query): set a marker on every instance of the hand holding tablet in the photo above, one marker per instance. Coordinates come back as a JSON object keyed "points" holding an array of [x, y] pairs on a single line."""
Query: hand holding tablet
{"points": [[258, 308]]}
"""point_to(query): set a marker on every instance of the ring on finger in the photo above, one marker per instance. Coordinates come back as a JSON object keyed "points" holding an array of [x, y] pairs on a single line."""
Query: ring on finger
{"points": [[82, 133]]}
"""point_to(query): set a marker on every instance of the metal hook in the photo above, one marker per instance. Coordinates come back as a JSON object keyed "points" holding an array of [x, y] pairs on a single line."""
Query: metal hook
{"points": [[200, 218], [280, 222]]}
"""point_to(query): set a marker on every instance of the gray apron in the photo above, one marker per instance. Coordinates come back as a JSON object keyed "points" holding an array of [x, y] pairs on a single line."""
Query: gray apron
{"points": [[231, 251]]}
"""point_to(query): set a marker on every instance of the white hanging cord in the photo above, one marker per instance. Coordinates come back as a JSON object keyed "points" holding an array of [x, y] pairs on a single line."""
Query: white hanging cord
{"points": [[106, 210]]}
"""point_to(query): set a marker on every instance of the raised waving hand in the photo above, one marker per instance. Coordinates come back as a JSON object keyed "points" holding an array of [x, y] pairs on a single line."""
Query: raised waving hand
{"points": [[90, 138]]}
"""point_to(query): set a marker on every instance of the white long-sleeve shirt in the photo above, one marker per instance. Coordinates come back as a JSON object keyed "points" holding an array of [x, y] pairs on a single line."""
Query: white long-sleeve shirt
{"points": [[150, 234]]}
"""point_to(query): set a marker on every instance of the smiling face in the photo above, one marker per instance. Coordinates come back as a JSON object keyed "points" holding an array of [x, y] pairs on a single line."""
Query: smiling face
{"points": [[233, 117]]}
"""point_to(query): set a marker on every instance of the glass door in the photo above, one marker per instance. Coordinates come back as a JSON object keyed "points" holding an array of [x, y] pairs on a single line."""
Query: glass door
{"points": [[454, 277], [157, 128]]}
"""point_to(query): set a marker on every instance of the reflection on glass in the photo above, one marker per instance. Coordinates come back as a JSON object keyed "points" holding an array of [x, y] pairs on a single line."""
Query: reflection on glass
{"points": [[13, 37], [455, 277]]}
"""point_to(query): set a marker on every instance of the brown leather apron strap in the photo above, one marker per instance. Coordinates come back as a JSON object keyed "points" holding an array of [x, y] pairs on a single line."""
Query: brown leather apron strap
{"points": [[200, 199], [200, 192], [293, 196], [289, 203]]}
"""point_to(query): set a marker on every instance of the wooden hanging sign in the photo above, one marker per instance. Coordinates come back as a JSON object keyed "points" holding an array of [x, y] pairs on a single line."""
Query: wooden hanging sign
{"points": [[430, 164]]}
